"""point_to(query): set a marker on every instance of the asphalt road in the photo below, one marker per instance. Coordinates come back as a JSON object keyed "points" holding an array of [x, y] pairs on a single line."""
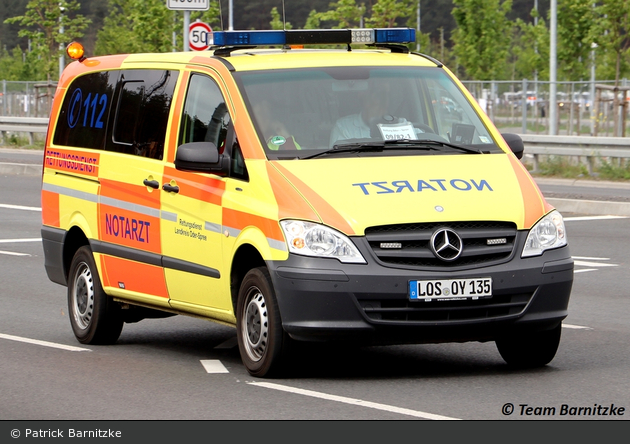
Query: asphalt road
{"points": [[184, 368]]}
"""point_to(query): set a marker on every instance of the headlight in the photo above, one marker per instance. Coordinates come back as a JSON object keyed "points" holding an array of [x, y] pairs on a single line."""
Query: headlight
{"points": [[318, 240], [548, 233]]}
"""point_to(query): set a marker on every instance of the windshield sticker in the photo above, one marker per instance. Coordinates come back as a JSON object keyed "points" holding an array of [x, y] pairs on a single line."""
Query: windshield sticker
{"points": [[278, 140], [399, 186], [484, 139]]}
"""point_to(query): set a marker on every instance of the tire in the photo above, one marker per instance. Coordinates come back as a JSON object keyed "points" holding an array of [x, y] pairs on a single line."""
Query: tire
{"points": [[531, 349], [94, 316], [261, 340]]}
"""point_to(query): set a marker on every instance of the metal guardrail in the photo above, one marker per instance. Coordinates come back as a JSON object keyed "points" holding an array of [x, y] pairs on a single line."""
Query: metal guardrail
{"points": [[29, 125], [536, 145], [592, 149]]}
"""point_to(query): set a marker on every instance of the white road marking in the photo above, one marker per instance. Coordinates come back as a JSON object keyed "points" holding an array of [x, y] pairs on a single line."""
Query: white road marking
{"points": [[213, 366], [576, 327], [587, 258], [594, 264], [12, 253], [352, 401], [584, 270], [11, 241], [593, 218], [20, 207], [43, 343]]}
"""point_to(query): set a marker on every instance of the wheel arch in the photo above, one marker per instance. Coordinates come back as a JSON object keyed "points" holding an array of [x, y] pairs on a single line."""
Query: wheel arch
{"points": [[246, 258]]}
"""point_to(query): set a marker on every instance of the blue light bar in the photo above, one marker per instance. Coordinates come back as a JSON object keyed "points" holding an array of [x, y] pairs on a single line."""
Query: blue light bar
{"points": [[315, 37]]}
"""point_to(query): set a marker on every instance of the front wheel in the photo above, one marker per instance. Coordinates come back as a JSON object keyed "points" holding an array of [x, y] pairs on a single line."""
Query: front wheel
{"points": [[94, 316], [530, 349], [261, 339]]}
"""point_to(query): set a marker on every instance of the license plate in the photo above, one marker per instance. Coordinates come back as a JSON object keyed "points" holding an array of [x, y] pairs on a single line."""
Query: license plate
{"points": [[450, 289]]}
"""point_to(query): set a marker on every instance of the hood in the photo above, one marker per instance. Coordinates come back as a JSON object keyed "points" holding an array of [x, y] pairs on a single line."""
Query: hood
{"points": [[351, 194]]}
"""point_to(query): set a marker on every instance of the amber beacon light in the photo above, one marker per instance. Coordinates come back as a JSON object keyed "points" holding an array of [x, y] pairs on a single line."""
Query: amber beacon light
{"points": [[76, 51]]}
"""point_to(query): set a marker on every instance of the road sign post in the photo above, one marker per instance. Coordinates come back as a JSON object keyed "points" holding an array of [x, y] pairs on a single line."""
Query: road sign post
{"points": [[187, 6]]}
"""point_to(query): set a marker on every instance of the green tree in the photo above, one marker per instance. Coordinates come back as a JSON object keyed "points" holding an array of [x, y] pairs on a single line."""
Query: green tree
{"points": [[529, 51], [611, 33], [42, 24], [135, 26], [277, 22], [386, 12], [19, 65], [346, 13], [482, 38], [575, 19]]}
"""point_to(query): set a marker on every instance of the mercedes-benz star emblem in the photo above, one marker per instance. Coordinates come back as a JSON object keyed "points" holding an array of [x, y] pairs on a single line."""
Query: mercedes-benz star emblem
{"points": [[446, 244]]}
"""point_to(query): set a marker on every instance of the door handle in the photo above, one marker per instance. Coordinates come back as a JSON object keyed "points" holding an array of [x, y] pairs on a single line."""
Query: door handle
{"points": [[151, 183], [170, 188]]}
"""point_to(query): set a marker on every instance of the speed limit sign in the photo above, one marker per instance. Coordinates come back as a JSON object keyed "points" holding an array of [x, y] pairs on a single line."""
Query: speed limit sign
{"points": [[199, 36]]}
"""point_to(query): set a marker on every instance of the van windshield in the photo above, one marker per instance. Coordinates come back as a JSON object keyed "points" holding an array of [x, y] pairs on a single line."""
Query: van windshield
{"points": [[300, 113]]}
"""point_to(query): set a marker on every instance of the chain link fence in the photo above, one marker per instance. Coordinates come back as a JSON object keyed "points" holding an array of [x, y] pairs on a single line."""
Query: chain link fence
{"points": [[583, 108], [26, 99]]}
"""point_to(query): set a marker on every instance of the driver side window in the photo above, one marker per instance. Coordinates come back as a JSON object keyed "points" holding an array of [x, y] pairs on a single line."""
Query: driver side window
{"points": [[205, 117]]}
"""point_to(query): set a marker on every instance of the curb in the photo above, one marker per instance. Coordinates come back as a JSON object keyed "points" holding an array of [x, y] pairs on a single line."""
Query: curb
{"points": [[590, 207], [21, 169]]}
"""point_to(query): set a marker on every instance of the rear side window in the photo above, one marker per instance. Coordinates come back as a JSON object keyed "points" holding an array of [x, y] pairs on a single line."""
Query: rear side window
{"points": [[140, 119], [82, 120], [125, 111]]}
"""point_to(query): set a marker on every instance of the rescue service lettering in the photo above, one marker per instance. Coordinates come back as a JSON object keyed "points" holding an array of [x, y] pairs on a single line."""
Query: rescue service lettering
{"points": [[401, 186], [192, 230], [127, 228], [70, 161]]}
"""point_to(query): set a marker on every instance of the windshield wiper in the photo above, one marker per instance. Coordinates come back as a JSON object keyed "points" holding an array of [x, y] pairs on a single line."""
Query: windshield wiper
{"points": [[387, 144], [380, 146]]}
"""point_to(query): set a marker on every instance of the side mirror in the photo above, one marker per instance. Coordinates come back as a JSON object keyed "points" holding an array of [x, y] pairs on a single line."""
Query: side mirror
{"points": [[515, 143], [201, 156]]}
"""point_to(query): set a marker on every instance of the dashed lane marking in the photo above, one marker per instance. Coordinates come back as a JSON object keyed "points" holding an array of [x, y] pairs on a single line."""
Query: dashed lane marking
{"points": [[352, 401], [20, 207], [43, 343], [213, 366]]}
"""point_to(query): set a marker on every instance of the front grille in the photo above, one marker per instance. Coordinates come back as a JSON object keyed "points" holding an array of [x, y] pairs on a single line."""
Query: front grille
{"points": [[402, 310], [408, 244]]}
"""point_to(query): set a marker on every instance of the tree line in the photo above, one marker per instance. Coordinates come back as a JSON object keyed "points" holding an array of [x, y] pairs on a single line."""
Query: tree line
{"points": [[479, 39]]}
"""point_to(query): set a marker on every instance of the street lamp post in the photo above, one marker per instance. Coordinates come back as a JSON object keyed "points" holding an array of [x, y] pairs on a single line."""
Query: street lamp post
{"points": [[62, 58], [553, 109]]}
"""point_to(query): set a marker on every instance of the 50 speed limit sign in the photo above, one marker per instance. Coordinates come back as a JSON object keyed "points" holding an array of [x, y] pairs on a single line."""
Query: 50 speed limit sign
{"points": [[199, 36]]}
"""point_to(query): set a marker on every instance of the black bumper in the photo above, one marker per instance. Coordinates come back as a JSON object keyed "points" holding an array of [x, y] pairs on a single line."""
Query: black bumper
{"points": [[323, 299]]}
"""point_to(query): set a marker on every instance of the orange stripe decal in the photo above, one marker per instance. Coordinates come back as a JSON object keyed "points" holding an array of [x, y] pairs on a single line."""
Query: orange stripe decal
{"points": [[50, 208], [198, 186], [534, 205], [327, 212], [135, 276], [290, 203], [240, 220], [134, 194]]}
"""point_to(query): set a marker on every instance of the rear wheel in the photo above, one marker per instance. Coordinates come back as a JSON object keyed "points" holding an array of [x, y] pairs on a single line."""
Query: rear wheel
{"points": [[261, 339], [94, 316], [530, 349]]}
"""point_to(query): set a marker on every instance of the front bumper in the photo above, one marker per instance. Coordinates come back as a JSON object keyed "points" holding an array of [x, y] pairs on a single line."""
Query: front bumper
{"points": [[323, 299]]}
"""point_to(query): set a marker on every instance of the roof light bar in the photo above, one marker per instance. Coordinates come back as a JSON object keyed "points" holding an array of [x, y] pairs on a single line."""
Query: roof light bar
{"points": [[315, 36]]}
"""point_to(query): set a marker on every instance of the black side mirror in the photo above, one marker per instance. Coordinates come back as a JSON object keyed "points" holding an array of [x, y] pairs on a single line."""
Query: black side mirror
{"points": [[201, 156], [515, 143]]}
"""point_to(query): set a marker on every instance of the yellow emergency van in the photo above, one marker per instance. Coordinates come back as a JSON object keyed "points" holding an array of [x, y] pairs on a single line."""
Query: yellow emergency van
{"points": [[357, 195]]}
